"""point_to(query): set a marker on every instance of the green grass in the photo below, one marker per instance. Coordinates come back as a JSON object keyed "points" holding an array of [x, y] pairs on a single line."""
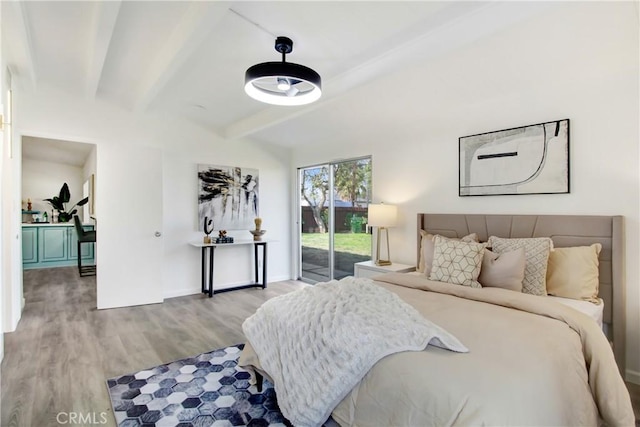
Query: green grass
{"points": [[354, 243]]}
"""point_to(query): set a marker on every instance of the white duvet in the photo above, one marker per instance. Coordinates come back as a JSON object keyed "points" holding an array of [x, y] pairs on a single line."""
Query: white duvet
{"points": [[319, 342]]}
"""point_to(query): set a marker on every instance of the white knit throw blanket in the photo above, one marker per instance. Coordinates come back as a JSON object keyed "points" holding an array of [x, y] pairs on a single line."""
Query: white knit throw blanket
{"points": [[319, 342]]}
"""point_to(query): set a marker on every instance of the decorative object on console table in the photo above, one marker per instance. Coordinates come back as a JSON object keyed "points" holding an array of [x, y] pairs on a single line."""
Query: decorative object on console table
{"points": [[207, 230], [223, 238], [258, 232], [531, 159], [382, 216]]}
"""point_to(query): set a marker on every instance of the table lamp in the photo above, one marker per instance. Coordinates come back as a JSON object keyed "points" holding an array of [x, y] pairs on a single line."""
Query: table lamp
{"points": [[382, 216]]}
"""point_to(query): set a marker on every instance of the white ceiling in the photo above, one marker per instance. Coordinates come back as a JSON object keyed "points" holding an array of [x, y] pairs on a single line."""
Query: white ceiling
{"points": [[188, 59], [56, 151]]}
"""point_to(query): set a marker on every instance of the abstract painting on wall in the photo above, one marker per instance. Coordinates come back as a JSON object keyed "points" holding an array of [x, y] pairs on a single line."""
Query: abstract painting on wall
{"points": [[227, 195], [525, 160]]}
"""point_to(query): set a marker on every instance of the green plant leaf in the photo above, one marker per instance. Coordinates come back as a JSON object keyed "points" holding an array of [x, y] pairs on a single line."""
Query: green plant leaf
{"points": [[64, 217], [55, 203], [65, 194], [82, 202]]}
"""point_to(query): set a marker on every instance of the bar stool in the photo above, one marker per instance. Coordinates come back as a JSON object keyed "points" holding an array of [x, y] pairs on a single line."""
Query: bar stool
{"points": [[84, 237]]}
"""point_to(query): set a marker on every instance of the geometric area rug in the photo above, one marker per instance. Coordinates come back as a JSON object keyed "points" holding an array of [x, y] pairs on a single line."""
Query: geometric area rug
{"points": [[204, 390]]}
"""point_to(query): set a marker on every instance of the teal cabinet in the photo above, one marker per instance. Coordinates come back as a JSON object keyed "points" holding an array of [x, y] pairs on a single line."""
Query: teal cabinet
{"points": [[52, 244], [45, 246], [29, 245]]}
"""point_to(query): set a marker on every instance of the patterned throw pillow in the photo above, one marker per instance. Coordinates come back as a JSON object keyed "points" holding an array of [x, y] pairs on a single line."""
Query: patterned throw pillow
{"points": [[426, 249], [457, 262], [537, 253]]}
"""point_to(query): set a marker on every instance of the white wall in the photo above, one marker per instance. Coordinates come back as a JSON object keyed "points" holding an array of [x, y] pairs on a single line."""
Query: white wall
{"points": [[579, 61], [53, 114], [43, 180], [11, 271], [3, 90], [232, 265]]}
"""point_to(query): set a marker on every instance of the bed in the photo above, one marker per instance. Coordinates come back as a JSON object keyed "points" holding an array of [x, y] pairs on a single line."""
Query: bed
{"points": [[530, 359]]}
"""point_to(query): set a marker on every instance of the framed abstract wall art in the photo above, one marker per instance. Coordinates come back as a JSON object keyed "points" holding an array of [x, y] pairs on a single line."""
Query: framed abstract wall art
{"points": [[228, 195], [530, 159]]}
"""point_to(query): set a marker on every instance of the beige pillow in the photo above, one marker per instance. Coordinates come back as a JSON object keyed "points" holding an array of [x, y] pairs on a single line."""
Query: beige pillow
{"points": [[573, 273], [456, 262], [426, 249], [537, 253], [503, 271]]}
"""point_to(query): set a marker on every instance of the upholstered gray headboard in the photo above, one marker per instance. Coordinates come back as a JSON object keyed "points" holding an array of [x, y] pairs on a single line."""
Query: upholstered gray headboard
{"points": [[564, 230]]}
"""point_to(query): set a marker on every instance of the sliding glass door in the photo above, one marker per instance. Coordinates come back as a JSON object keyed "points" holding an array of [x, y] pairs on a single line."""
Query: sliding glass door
{"points": [[332, 218]]}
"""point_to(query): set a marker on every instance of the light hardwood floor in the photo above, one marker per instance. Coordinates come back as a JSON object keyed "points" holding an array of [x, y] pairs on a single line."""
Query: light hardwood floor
{"points": [[58, 359]]}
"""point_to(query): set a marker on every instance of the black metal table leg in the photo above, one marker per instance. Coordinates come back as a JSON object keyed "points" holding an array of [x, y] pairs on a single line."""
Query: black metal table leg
{"points": [[211, 250], [255, 262], [264, 265], [203, 267]]}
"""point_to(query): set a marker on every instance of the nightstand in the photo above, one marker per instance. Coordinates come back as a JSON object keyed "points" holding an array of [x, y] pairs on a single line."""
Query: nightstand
{"points": [[370, 269]]}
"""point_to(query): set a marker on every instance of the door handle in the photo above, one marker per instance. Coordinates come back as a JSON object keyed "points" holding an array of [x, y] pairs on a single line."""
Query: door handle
{"points": [[158, 234]]}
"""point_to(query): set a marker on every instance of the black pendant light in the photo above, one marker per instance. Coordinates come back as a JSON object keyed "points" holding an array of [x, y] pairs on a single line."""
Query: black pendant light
{"points": [[283, 83]]}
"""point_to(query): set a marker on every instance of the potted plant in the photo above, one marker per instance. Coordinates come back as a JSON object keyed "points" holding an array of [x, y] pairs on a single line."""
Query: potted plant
{"points": [[59, 203]]}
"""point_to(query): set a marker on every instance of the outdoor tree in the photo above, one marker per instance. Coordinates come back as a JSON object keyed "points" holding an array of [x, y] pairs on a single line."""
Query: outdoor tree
{"points": [[315, 190], [353, 181]]}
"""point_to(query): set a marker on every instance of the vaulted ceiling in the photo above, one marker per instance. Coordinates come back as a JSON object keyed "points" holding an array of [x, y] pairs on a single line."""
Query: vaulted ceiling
{"points": [[188, 59]]}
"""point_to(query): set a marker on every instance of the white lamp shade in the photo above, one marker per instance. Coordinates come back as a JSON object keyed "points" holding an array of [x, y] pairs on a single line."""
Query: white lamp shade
{"points": [[381, 215]]}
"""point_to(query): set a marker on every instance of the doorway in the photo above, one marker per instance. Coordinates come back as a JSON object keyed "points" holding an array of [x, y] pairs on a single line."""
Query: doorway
{"points": [[332, 216], [57, 184]]}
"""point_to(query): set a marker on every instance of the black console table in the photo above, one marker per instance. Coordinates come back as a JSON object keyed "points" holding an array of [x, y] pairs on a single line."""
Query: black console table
{"points": [[208, 251]]}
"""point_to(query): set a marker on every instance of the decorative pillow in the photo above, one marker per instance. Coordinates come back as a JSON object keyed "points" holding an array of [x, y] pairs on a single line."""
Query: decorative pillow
{"points": [[537, 253], [426, 249], [573, 273], [503, 271], [457, 262]]}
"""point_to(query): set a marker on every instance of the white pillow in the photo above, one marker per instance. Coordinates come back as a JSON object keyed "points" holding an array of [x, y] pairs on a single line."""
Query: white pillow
{"points": [[457, 262]]}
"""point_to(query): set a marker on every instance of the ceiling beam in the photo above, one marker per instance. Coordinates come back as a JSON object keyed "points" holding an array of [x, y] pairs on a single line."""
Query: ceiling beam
{"points": [[24, 38], [101, 33], [187, 36]]}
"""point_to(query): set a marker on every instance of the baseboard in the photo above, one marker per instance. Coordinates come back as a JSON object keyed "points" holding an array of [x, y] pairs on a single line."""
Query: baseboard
{"points": [[174, 293], [632, 376], [279, 279]]}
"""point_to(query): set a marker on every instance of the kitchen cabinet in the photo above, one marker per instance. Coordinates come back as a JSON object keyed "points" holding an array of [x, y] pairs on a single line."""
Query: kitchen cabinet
{"points": [[53, 245]]}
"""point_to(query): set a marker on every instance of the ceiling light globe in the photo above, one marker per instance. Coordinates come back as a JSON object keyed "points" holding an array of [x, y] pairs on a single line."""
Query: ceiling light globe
{"points": [[283, 84]]}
